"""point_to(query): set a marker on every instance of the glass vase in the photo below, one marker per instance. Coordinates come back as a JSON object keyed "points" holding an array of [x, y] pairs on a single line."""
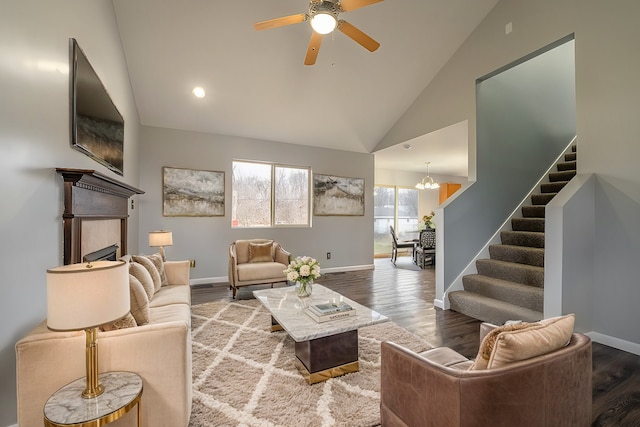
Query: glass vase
{"points": [[304, 289]]}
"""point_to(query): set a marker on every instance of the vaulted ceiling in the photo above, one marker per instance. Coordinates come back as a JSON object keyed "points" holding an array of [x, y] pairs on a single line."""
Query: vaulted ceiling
{"points": [[256, 83]]}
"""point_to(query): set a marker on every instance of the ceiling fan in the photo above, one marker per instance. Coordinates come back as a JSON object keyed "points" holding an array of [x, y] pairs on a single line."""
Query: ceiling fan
{"points": [[323, 15]]}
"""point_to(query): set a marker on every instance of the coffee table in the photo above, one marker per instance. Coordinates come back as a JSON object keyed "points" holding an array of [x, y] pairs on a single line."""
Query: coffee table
{"points": [[323, 350]]}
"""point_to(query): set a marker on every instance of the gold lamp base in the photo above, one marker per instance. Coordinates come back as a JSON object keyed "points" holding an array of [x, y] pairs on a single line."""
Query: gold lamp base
{"points": [[93, 388]]}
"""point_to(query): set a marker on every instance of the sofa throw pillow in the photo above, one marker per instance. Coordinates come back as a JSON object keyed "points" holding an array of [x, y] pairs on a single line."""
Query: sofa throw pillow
{"points": [[127, 321], [488, 343], [530, 341], [552, 334], [152, 269], [156, 259], [260, 252], [139, 301], [144, 277]]}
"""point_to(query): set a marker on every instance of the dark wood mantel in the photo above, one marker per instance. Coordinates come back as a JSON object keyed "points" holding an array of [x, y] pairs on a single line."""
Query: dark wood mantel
{"points": [[91, 195]]}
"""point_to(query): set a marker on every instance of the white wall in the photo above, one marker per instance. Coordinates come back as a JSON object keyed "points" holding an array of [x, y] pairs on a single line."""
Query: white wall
{"points": [[207, 239], [607, 124], [34, 140]]}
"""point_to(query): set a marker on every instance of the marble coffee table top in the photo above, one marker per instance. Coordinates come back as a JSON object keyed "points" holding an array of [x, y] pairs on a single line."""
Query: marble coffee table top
{"points": [[288, 310]]}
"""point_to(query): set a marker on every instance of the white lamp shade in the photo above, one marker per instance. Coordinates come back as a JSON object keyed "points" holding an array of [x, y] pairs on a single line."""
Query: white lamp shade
{"points": [[82, 297], [323, 23], [160, 238]]}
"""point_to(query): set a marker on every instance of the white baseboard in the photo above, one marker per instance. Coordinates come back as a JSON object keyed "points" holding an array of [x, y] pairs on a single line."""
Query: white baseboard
{"points": [[440, 304], [620, 344], [207, 280], [225, 279], [13, 425]]}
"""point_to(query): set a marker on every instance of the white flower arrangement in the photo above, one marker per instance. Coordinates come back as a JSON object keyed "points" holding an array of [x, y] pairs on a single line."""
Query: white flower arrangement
{"points": [[303, 269]]}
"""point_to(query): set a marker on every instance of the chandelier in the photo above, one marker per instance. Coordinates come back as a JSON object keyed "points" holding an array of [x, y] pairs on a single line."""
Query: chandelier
{"points": [[427, 182]]}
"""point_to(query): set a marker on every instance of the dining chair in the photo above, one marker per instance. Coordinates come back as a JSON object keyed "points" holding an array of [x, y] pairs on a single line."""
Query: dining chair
{"points": [[401, 245], [426, 248]]}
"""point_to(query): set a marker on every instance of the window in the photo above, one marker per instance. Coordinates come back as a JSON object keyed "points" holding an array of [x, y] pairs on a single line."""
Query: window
{"points": [[267, 195], [394, 206]]}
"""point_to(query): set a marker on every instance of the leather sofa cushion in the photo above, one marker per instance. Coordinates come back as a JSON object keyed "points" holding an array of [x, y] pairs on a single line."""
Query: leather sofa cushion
{"points": [[447, 357]]}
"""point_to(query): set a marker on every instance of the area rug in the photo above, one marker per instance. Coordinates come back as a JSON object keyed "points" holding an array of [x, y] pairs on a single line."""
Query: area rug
{"points": [[244, 374]]}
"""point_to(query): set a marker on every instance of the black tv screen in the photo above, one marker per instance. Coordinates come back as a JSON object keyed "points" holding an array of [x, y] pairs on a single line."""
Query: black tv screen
{"points": [[97, 127]]}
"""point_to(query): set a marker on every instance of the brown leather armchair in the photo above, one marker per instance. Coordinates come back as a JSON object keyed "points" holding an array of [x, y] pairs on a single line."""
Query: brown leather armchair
{"points": [[436, 388]]}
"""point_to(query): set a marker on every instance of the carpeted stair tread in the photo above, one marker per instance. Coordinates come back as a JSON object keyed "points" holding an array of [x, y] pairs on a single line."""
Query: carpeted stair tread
{"points": [[511, 271], [561, 176], [515, 293], [518, 254], [527, 224], [532, 239], [533, 211], [566, 166], [542, 199], [552, 187], [510, 285], [489, 309]]}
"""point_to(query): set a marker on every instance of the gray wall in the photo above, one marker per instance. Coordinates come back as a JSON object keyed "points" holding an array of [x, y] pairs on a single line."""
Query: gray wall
{"points": [[569, 252], [207, 239], [607, 124], [34, 140], [525, 119]]}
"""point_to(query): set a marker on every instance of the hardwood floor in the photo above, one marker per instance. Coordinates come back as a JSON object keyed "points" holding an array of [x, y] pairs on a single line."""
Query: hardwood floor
{"points": [[405, 294]]}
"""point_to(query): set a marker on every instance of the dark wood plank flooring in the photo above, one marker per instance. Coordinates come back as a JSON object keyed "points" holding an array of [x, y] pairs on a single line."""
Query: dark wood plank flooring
{"points": [[405, 294]]}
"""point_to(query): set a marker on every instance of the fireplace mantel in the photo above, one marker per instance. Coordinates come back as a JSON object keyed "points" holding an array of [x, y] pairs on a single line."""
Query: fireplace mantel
{"points": [[91, 196]]}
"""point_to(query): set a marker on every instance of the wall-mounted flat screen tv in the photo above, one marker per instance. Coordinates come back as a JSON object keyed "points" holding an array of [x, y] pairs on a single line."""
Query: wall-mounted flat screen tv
{"points": [[97, 127]]}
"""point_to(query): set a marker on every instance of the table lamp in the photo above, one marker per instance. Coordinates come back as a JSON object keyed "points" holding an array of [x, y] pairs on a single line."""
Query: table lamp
{"points": [[160, 239], [86, 296]]}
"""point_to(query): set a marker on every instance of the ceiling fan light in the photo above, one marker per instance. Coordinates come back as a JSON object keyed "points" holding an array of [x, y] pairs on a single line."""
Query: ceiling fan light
{"points": [[323, 23]]}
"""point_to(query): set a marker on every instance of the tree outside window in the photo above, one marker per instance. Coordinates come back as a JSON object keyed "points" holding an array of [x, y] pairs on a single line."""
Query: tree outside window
{"points": [[267, 195]]}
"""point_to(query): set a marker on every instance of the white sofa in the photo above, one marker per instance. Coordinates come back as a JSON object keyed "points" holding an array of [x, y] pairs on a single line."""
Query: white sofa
{"points": [[159, 351]]}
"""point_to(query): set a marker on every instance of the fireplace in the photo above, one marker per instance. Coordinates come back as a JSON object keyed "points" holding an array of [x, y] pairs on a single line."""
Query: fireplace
{"points": [[95, 214], [110, 253]]}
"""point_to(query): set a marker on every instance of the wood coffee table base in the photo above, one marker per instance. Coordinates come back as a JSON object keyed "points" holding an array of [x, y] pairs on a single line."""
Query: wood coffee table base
{"points": [[328, 357], [323, 349]]}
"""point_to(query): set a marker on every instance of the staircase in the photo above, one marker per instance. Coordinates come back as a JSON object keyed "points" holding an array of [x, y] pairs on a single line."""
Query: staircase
{"points": [[510, 285]]}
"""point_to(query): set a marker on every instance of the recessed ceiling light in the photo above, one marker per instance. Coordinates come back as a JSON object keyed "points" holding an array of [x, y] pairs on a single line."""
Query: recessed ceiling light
{"points": [[407, 146], [198, 92]]}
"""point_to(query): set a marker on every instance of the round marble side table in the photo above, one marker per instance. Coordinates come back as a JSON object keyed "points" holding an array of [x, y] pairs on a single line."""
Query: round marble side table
{"points": [[67, 407]]}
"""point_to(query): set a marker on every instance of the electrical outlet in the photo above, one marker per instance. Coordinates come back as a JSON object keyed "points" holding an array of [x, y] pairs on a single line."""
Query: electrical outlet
{"points": [[192, 263], [328, 255]]}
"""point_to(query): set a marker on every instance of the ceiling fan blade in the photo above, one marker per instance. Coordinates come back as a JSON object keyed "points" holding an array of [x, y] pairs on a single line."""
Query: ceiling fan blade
{"points": [[349, 5], [313, 48], [358, 36], [280, 22]]}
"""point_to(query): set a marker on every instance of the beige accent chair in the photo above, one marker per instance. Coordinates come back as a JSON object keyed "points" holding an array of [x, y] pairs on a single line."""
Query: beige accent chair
{"points": [[440, 387], [256, 262]]}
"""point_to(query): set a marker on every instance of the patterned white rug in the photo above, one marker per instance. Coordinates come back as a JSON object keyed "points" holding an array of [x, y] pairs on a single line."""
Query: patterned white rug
{"points": [[244, 375]]}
